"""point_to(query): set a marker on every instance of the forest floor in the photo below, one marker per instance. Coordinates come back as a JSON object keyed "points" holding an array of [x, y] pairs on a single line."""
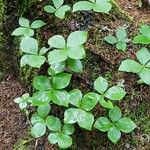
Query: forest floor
{"points": [[102, 59]]}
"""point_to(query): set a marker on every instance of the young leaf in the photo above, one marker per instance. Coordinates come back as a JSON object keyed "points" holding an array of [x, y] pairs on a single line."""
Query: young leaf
{"points": [[114, 134], [57, 41], [61, 80], [115, 93], [126, 125], [121, 33], [75, 97], [38, 130], [43, 110], [115, 114], [103, 124], [49, 9], [129, 65], [121, 46], [23, 105], [37, 24], [42, 83], [53, 123], [100, 85], [68, 129], [57, 56], [43, 51], [111, 39], [29, 45], [145, 75], [19, 31], [58, 3], [89, 101], [23, 22], [105, 104]]}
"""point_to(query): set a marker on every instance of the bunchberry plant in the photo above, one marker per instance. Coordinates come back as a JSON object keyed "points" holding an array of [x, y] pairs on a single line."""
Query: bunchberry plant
{"points": [[142, 68], [115, 125], [32, 55], [58, 9], [102, 6], [114, 93], [144, 36], [27, 29], [120, 39], [72, 48], [81, 114]]}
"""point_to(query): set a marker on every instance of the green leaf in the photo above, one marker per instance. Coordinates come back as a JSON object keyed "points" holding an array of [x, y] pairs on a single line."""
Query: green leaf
{"points": [[145, 75], [126, 125], [71, 116], [57, 41], [56, 68], [145, 30], [105, 104], [141, 39], [43, 110], [100, 85], [115, 93], [43, 51], [36, 119], [103, 124], [60, 98], [76, 38], [68, 129], [37, 24], [61, 80], [121, 46], [115, 114], [41, 98], [89, 101], [75, 65], [42, 83], [77, 52], [75, 97], [38, 130], [53, 137], [53, 123], [58, 3], [82, 5], [102, 6], [23, 22], [121, 33], [129, 65], [29, 45], [143, 55], [57, 56], [110, 39], [85, 119], [19, 31], [32, 60], [60, 13], [114, 134], [49, 9], [148, 64]]}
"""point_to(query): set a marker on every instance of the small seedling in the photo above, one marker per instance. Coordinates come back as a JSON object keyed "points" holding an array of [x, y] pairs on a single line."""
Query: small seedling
{"points": [[144, 36], [102, 6], [114, 93], [26, 29], [117, 124], [59, 9], [120, 40], [142, 68]]}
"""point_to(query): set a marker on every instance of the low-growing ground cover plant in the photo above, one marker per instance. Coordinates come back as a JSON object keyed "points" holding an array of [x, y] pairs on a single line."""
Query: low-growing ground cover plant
{"points": [[58, 9], [27, 29], [120, 39], [142, 68], [102, 6], [144, 36]]}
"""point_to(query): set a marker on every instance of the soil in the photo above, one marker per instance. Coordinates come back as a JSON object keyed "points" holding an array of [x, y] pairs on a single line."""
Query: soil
{"points": [[102, 59]]}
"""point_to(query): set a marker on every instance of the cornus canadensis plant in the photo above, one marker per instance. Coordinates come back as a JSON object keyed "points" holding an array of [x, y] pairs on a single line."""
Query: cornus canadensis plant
{"points": [[120, 40], [114, 93], [144, 36], [58, 9], [115, 125], [102, 6], [142, 68], [26, 29]]}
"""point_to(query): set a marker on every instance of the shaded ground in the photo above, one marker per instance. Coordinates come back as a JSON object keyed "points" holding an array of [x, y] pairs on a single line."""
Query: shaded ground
{"points": [[102, 59]]}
